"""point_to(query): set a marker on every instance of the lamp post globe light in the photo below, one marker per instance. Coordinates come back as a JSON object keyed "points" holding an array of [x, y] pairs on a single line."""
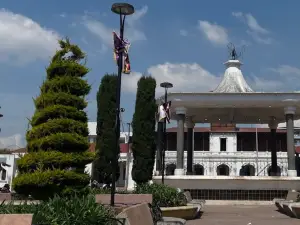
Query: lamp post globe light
{"points": [[166, 86], [122, 9]]}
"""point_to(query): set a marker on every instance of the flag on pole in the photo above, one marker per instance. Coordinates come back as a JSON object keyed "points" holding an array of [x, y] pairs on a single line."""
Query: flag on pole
{"points": [[164, 112], [121, 46]]}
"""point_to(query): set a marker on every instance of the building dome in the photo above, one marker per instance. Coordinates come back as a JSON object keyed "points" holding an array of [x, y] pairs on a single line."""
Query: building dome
{"points": [[233, 80]]}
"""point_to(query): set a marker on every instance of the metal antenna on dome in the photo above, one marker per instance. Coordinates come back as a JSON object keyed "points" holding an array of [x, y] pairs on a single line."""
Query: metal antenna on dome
{"points": [[233, 54]]}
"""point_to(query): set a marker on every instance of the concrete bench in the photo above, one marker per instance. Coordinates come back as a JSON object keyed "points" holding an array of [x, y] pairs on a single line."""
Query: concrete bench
{"points": [[124, 199], [16, 219], [190, 200], [292, 196], [296, 209], [195, 202], [141, 214], [5, 196]]}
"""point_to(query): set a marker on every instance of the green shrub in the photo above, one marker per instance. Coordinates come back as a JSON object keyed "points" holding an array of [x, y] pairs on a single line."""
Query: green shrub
{"points": [[68, 84], [53, 159], [60, 98], [57, 111], [68, 211], [143, 128], [42, 184], [163, 195], [59, 125], [106, 151], [65, 142], [57, 143]]}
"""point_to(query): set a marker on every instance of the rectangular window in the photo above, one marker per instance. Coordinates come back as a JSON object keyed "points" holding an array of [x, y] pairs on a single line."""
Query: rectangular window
{"points": [[223, 144]]}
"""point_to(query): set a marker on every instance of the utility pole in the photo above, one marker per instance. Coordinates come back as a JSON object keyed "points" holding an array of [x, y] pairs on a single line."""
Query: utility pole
{"points": [[1, 115], [128, 158]]}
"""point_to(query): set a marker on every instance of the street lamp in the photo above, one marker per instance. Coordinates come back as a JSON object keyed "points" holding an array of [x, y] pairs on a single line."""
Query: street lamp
{"points": [[122, 9], [1, 115], [164, 85]]}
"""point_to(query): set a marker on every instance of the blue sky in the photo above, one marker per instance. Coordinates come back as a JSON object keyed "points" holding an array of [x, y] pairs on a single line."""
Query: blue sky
{"points": [[184, 43]]}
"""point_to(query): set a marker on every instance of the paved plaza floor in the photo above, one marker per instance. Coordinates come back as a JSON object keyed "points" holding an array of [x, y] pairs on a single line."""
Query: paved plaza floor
{"points": [[243, 215]]}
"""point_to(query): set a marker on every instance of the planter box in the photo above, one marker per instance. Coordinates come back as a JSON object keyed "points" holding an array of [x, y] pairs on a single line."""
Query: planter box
{"points": [[124, 199], [5, 196], [184, 212], [296, 209], [16, 219]]}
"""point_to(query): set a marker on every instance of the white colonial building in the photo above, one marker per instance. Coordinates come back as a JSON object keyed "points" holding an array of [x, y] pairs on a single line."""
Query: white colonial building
{"points": [[209, 141]]}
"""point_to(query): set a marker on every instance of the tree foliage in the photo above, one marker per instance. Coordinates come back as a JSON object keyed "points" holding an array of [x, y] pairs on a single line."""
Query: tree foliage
{"points": [[106, 134], [143, 125], [57, 143]]}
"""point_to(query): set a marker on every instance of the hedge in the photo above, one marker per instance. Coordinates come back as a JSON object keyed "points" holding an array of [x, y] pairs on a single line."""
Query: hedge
{"points": [[58, 111], [64, 142], [56, 69], [76, 210], [43, 184], [143, 129], [59, 125], [71, 85], [57, 143], [106, 150], [59, 98], [53, 159]]}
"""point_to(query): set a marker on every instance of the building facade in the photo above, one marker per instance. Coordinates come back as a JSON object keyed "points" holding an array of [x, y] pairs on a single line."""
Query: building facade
{"points": [[218, 151]]}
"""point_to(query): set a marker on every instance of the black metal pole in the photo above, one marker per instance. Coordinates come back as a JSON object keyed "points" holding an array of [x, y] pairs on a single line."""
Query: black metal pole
{"points": [[118, 109], [165, 143]]}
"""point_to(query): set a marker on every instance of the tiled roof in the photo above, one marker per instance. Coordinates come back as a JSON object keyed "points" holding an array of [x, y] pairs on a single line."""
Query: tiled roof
{"points": [[123, 147], [297, 149]]}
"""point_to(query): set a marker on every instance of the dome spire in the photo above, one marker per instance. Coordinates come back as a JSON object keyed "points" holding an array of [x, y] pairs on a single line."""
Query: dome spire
{"points": [[233, 80]]}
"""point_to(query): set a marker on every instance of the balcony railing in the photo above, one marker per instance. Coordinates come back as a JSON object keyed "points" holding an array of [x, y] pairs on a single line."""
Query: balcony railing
{"points": [[171, 154]]}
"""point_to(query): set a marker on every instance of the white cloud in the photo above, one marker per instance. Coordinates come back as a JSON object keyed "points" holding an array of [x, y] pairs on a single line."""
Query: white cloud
{"points": [[183, 32], [135, 18], [194, 78], [284, 70], [215, 33], [13, 142], [184, 77], [256, 31], [132, 31], [284, 78], [23, 39]]}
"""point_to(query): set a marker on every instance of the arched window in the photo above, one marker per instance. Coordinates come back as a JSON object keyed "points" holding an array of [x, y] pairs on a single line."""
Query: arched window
{"points": [[223, 170], [278, 170], [198, 169], [247, 170], [170, 169]]}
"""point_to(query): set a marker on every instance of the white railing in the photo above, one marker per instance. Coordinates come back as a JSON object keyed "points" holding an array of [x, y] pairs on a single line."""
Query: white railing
{"points": [[239, 154]]}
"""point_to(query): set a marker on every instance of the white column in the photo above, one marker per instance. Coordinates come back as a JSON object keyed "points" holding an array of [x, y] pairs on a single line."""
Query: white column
{"points": [[181, 113], [130, 181], [190, 145], [289, 114]]}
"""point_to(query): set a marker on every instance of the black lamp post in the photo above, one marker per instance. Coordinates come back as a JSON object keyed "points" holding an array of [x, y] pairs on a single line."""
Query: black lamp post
{"points": [[122, 9], [164, 85], [1, 115]]}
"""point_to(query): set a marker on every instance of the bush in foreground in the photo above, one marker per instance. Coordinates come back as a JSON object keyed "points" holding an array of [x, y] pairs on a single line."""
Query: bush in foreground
{"points": [[68, 211], [57, 143], [163, 195], [143, 128], [106, 133]]}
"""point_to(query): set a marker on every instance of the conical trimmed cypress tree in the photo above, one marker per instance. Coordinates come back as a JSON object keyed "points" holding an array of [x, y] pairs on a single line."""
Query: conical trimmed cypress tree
{"points": [[106, 133], [143, 128], [57, 143]]}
